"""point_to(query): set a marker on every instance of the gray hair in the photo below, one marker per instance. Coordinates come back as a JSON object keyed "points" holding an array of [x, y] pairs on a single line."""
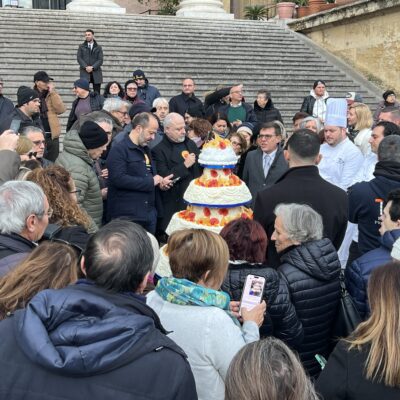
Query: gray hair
{"points": [[28, 129], [301, 223], [389, 149], [19, 200], [101, 119], [115, 104], [317, 122], [159, 100], [169, 119]]}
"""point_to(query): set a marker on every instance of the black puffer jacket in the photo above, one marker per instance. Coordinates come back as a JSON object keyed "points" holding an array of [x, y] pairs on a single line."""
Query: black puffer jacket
{"points": [[281, 320], [312, 272]]}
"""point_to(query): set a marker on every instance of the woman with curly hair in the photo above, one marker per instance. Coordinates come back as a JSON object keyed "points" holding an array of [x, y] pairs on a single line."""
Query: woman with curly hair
{"points": [[50, 266], [72, 222]]}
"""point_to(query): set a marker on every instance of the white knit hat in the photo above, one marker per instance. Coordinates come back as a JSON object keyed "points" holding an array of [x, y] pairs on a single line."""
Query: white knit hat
{"points": [[396, 250], [336, 113]]}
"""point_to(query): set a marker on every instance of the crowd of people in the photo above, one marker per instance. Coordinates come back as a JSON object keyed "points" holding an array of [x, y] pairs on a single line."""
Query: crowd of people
{"points": [[83, 309]]}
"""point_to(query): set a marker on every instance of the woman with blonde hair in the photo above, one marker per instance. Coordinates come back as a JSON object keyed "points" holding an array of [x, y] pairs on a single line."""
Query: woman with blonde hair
{"points": [[191, 306], [61, 193], [267, 370], [24, 148], [50, 266], [367, 364], [360, 121]]}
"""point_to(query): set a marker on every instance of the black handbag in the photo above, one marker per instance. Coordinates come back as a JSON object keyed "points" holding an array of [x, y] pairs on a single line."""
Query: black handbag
{"points": [[347, 316]]}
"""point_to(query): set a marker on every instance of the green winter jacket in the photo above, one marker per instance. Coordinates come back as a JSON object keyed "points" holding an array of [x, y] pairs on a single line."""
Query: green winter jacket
{"points": [[76, 160]]}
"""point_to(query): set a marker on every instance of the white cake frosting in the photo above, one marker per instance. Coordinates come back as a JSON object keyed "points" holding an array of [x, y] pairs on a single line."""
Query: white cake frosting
{"points": [[225, 195], [177, 224], [217, 156]]}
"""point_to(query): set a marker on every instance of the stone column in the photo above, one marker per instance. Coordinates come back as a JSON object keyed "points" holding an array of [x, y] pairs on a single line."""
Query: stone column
{"points": [[212, 9], [95, 6]]}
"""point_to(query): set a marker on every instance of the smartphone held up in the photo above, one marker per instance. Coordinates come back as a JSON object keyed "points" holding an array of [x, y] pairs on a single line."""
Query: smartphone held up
{"points": [[252, 293]]}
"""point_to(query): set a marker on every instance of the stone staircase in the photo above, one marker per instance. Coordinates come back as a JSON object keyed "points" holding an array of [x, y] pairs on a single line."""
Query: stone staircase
{"points": [[257, 54]]}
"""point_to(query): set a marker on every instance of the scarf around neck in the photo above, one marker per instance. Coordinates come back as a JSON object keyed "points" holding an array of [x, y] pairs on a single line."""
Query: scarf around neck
{"points": [[185, 293]]}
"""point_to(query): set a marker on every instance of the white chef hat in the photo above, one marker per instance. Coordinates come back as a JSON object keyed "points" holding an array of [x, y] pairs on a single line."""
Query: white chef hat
{"points": [[336, 113]]}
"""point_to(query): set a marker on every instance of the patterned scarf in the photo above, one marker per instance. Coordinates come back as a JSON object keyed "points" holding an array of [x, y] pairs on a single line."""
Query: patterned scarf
{"points": [[185, 292]]}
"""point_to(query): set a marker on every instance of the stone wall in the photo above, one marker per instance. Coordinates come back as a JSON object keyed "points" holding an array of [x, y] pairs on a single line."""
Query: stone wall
{"points": [[364, 34]]}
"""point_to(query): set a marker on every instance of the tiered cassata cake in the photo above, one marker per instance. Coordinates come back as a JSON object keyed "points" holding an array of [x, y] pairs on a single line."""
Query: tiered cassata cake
{"points": [[216, 197]]}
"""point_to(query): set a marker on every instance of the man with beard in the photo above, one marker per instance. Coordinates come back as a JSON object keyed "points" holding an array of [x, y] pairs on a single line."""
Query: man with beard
{"points": [[90, 59], [132, 175], [176, 154]]}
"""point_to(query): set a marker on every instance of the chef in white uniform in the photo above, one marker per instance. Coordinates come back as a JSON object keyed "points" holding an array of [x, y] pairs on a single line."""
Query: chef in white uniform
{"points": [[341, 158]]}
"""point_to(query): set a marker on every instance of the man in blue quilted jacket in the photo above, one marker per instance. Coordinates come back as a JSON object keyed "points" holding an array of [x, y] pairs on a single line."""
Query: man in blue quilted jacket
{"points": [[95, 339]]}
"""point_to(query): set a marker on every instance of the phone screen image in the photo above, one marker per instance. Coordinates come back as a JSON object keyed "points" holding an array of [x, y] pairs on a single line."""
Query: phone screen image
{"points": [[252, 291]]}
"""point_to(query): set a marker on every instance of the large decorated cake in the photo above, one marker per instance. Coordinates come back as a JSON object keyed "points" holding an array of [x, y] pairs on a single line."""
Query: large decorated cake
{"points": [[218, 196]]}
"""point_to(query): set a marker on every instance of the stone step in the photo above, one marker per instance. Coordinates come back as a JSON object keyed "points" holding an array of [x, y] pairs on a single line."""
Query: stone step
{"points": [[257, 54]]}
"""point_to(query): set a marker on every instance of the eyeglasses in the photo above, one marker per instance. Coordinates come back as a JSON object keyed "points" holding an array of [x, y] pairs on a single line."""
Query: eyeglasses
{"points": [[131, 88], [266, 137], [38, 142], [77, 191], [236, 143], [32, 154], [50, 212], [122, 112]]}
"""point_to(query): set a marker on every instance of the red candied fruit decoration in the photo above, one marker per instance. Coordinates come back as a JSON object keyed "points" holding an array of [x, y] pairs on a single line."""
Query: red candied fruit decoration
{"points": [[206, 211], [244, 216], [214, 221], [213, 183], [214, 173], [222, 145], [191, 216], [227, 171], [223, 211]]}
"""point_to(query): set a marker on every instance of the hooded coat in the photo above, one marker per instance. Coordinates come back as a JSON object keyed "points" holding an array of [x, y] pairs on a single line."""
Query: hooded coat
{"points": [[364, 207], [76, 160], [84, 342], [267, 114], [358, 273], [148, 93], [311, 271]]}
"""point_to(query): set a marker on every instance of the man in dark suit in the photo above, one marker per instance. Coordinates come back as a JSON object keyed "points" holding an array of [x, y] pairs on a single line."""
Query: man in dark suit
{"points": [[265, 165], [90, 59], [176, 154], [303, 184], [187, 99]]}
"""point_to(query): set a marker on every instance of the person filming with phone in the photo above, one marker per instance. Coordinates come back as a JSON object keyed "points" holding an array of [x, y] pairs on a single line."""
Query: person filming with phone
{"points": [[199, 315]]}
